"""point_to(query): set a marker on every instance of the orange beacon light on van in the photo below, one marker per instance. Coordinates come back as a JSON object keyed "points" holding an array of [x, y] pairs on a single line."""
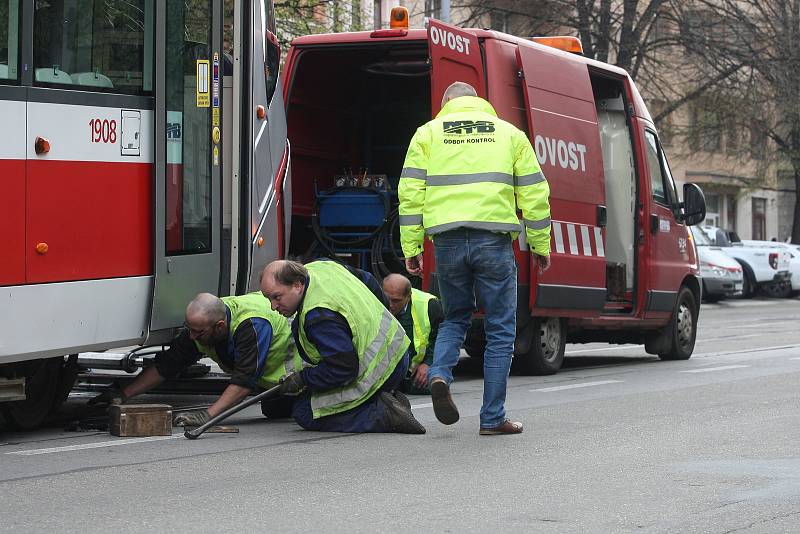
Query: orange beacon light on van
{"points": [[398, 18], [565, 43]]}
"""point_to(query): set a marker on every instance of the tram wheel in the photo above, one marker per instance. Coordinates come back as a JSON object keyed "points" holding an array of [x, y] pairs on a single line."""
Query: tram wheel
{"points": [[42, 381]]}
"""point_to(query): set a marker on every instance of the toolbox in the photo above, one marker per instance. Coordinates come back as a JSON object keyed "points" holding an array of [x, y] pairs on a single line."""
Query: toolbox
{"points": [[128, 420]]}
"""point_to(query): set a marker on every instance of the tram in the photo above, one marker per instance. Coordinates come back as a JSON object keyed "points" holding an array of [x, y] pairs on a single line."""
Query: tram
{"points": [[143, 155]]}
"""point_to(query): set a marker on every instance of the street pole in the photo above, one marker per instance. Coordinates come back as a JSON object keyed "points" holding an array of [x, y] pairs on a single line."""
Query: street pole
{"points": [[445, 11]]}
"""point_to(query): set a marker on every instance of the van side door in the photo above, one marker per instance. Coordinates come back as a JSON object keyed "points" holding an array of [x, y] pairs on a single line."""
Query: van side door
{"points": [[562, 121]]}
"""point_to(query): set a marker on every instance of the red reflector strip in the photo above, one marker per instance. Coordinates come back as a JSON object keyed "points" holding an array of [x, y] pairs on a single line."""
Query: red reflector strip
{"points": [[397, 32]]}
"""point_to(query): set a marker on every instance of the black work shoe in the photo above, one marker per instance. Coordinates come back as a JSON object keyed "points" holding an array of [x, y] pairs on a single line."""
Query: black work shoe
{"points": [[443, 405], [400, 418], [402, 398]]}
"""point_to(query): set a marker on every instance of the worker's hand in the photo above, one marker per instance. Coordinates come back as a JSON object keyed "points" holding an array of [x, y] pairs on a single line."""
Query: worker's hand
{"points": [[196, 418], [421, 376], [414, 265], [112, 395], [292, 384], [542, 263]]}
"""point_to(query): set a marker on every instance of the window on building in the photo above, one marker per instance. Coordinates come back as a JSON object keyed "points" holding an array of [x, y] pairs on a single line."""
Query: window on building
{"points": [[759, 218], [104, 45], [731, 220], [499, 20], [433, 8], [758, 140], [9, 40], [706, 126], [377, 14]]}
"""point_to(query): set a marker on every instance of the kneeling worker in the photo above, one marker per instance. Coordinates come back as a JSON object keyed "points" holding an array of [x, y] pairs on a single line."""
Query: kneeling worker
{"points": [[419, 314], [357, 350], [243, 335]]}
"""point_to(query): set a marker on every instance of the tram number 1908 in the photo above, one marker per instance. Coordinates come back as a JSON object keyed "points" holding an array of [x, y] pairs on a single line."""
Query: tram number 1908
{"points": [[103, 130]]}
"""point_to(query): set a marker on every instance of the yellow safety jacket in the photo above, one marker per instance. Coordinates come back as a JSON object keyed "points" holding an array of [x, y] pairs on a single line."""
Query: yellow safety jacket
{"points": [[378, 338], [422, 324], [469, 169], [282, 357]]}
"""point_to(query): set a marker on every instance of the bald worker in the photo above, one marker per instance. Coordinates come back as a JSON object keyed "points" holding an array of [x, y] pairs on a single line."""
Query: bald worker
{"points": [[243, 335], [419, 314]]}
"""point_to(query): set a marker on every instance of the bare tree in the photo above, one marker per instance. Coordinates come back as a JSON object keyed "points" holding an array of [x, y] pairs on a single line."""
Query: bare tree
{"points": [[295, 18], [761, 36]]}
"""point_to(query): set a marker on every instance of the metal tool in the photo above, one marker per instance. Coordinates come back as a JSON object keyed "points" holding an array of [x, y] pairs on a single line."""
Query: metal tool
{"points": [[196, 432]]}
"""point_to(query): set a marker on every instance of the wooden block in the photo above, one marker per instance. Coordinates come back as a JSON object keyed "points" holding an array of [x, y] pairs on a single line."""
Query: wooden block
{"points": [[140, 420]]}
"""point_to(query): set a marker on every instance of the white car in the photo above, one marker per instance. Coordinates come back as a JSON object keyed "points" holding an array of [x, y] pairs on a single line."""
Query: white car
{"points": [[765, 263], [793, 252], [722, 275]]}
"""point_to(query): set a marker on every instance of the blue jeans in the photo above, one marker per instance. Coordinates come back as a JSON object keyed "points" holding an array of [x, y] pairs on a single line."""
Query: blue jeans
{"points": [[477, 265], [369, 416]]}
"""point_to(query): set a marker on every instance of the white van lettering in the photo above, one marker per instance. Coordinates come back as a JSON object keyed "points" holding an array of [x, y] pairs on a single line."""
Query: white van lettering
{"points": [[450, 40], [550, 151], [563, 157]]}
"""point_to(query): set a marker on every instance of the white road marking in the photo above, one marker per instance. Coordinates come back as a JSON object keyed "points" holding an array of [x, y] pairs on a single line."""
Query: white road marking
{"points": [[610, 347], [576, 386], [427, 405], [98, 445], [794, 359], [709, 369]]}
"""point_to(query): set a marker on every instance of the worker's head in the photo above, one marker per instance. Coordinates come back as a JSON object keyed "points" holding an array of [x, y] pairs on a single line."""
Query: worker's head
{"points": [[207, 319], [457, 89], [398, 290], [283, 283]]}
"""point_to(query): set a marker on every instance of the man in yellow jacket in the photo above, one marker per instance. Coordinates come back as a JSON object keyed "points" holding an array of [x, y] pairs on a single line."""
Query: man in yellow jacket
{"points": [[466, 174]]}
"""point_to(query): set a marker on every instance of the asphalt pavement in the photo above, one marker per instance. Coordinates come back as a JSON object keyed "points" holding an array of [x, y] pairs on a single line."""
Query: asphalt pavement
{"points": [[618, 441]]}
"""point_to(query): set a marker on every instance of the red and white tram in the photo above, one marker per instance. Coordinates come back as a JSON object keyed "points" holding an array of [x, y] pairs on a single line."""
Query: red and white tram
{"points": [[143, 153]]}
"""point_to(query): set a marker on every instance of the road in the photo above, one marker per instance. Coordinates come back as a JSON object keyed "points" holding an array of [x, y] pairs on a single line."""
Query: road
{"points": [[617, 442]]}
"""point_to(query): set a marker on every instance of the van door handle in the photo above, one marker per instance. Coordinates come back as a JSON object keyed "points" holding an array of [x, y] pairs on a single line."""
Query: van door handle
{"points": [[653, 223], [602, 216]]}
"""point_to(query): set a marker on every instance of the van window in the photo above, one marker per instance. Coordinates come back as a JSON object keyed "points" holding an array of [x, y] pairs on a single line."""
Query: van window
{"points": [[96, 45], [661, 181], [9, 40]]}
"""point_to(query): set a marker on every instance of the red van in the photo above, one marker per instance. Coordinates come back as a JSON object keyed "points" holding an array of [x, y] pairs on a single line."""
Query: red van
{"points": [[624, 267]]}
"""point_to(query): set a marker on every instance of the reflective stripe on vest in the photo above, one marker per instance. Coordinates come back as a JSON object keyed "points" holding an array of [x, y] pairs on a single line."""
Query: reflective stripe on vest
{"points": [[379, 340], [422, 324]]}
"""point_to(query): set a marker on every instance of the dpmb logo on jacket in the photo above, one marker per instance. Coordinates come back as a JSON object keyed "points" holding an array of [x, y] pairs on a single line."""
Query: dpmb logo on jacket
{"points": [[458, 132]]}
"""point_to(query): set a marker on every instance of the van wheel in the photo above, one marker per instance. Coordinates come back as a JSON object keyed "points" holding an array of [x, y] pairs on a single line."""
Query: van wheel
{"points": [[682, 330], [546, 353]]}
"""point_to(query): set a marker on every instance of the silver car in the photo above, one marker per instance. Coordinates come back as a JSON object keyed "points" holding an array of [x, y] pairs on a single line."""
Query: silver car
{"points": [[722, 275]]}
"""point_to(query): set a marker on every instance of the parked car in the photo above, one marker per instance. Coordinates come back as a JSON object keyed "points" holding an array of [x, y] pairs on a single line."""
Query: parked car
{"points": [[722, 275], [791, 286], [766, 266]]}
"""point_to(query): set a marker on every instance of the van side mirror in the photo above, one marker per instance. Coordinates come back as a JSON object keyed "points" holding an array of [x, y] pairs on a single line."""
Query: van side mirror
{"points": [[693, 207]]}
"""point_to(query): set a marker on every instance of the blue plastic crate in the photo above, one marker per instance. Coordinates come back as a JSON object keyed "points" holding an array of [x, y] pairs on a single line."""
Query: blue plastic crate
{"points": [[351, 208]]}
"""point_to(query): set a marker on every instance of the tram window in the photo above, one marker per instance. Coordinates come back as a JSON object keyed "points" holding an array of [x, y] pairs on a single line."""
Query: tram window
{"points": [[100, 45], [9, 40], [273, 60]]}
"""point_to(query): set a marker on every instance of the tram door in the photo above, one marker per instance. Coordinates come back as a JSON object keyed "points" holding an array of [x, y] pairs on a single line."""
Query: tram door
{"points": [[188, 156]]}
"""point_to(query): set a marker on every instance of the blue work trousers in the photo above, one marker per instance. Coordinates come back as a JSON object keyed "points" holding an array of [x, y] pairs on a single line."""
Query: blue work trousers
{"points": [[477, 265], [369, 416]]}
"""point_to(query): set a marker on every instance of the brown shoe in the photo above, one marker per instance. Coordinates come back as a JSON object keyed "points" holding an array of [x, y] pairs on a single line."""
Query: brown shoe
{"points": [[443, 405], [506, 427]]}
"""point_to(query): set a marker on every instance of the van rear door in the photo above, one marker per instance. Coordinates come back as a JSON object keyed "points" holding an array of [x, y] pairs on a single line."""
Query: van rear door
{"points": [[455, 57], [562, 123]]}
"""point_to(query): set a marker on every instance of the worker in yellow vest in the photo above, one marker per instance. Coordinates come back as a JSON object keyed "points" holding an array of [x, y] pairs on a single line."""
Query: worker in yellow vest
{"points": [[419, 314], [243, 335], [466, 174], [356, 351]]}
